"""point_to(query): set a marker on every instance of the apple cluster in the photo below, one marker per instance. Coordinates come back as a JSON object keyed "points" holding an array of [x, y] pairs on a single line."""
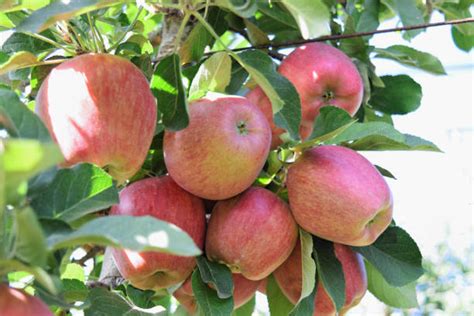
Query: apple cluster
{"points": [[99, 109]]}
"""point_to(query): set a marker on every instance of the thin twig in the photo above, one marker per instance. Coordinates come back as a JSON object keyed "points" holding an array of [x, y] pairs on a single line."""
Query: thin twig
{"points": [[89, 255], [359, 34]]}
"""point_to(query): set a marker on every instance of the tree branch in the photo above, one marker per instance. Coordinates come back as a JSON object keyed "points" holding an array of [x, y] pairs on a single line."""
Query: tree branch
{"points": [[360, 34]]}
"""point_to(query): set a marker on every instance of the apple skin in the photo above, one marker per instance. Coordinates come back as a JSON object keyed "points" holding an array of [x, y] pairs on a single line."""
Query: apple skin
{"points": [[322, 75], [214, 157], [252, 233], [289, 279], [244, 290], [15, 302], [99, 109], [337, 194], [164, 199]]}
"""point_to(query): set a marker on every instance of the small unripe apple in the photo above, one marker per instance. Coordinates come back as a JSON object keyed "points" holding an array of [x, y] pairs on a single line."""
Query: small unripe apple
{"points": [[289, 278], [164, 199], [244, 290], [99, 109], [15, 302], [337, 194], [252, 233], [223, 149], [322, 75]]}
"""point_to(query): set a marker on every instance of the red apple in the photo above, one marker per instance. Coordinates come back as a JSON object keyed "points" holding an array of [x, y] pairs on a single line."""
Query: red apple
{"points": [[252, 233], [223, 149], [322, 75], [337, 194], [289, 279], [99, 109], [244, 290], [165, 200], [15, 302]]}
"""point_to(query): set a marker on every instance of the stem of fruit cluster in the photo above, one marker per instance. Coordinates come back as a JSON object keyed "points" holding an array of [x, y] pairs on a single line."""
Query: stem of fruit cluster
{"points": [[129, 28], [179, 35]]}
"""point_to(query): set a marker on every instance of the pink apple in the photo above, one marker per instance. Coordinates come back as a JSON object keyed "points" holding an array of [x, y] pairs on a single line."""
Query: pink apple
{"points": [[244, 290], [223, 149], [289, 279], [337, 194], [252, 233], [165, 200], [99, 109], [15, 302], [322, 75]]}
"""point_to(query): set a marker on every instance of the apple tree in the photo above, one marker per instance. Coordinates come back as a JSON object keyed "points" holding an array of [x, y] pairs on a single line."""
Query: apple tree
{"points": [[175, 157]]}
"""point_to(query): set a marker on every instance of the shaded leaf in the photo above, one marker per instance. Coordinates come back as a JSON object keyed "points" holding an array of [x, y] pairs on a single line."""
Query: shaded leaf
{"points": [[19, 60], [30, 242], [330, 271], [74, 192], [18, 42], [216, 274], [207, 300], [395, 255], [408, 12], [167, 87], [41, 276], [278, 303]]}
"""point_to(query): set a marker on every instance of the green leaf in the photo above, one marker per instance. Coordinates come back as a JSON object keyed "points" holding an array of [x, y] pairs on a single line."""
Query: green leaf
{"points": [[278, 303], [23, 159], [380, 136], [18, 120], [398, 297], [243, 8], [281, 92], [207, 300], [213, 75], [15, 5], [41, 276], [102, 302], [308, 264], [401, 95], [408, 12], [61, 10], [246, 309], [167, 86], [30, 243], [73, 271], [412, 57], [312, 16], [462, 41], [395, 255], [330, 271], [73, 193], [195, 44], [216, 274], [19, 60], [144, 233], [369, 17], [306, 305], [277, 13], [18, 42], [385, 172], [454, 11], [74, 290], [237, 78], [329, 122]]}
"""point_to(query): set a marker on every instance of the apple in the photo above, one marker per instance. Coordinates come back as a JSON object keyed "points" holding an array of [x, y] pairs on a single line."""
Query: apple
{"points": [[16, 302], [164, 199], [289, 278], [337, 194], [244, 290], [322, 75], [99, 109], [252, 233], [223, 149]]}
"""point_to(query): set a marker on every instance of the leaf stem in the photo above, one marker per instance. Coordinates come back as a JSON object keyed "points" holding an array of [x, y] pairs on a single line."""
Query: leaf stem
{"points": [[129, 28], [50, 41]]}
